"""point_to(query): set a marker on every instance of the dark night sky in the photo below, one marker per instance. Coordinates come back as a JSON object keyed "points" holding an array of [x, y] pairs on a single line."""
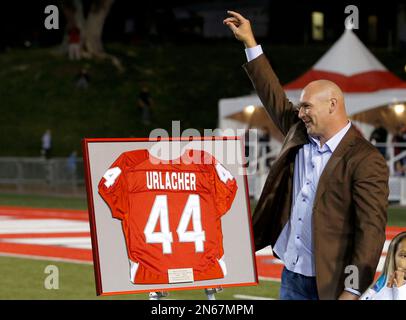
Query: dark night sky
{"points": [[24, 20]]}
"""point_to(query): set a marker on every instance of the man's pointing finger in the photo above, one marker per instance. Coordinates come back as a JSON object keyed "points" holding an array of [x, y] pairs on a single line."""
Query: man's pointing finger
{"points": [[236, 15]]}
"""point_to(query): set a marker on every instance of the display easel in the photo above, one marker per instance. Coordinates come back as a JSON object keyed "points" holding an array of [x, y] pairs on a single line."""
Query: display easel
{"points": [[158, 295], [210, 293]]}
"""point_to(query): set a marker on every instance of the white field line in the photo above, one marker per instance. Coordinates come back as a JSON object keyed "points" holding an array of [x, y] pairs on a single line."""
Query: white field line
{"points": [[73, 242], [42, 226], [246, 297], [35, 212], [27, 256], [269, 279]]}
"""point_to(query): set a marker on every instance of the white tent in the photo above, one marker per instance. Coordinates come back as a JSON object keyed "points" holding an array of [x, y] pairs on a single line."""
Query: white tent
{"points": [[366, 83]]}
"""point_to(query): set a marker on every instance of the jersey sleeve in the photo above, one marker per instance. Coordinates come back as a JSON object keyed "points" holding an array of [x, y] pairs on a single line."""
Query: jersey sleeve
{"points": [[113, 188], [225, 187]]}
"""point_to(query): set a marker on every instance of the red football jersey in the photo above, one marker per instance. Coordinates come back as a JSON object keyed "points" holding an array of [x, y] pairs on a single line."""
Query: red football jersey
{"points": [[171, 213]]}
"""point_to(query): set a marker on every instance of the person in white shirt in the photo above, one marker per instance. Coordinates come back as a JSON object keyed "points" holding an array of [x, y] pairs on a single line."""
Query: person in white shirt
{"points": [[46, 147], [391, 285]]}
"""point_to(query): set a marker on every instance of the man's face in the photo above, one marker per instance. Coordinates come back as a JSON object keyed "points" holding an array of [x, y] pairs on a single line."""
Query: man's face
{"points": [[400, 256], [314, 111]]}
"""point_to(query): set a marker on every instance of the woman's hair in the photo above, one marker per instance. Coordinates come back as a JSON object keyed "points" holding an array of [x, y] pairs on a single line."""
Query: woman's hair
{"points": [[389, 267]]}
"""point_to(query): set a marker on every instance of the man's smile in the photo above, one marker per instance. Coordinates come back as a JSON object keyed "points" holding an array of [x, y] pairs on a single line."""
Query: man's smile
{"points": [[307, 123]]}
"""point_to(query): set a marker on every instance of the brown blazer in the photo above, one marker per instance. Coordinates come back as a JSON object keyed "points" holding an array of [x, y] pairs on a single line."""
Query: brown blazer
{"points": [[349, 212]]}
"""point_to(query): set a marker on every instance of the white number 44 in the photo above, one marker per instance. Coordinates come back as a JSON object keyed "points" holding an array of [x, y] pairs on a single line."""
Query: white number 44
{"points": [[160, 211]]}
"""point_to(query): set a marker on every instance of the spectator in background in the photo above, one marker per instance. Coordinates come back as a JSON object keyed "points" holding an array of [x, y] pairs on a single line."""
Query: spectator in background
{"points": [[83, 79], [379, 135], [129, 29], [46, 149], [145, 104], [72, 164], [399, 138], [74, 49], [399, 169]]}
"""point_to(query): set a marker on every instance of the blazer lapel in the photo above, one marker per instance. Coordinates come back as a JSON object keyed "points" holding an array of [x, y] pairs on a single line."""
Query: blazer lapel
{"points": [[296, 136], [336, 157]]}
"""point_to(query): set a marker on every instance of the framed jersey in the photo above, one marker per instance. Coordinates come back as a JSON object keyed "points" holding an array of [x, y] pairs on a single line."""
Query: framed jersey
{"points": [[168, 220]]}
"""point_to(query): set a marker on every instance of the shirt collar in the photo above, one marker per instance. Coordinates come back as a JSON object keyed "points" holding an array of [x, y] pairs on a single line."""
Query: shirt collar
{"points": [[333, 142]]}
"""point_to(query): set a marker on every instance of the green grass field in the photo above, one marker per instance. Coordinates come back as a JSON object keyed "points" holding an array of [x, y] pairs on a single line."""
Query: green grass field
{"points": [[24, 278]]}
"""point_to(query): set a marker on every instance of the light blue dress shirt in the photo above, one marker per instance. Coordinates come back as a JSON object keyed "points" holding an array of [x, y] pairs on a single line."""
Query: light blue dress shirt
{"points": [[295, 243]]}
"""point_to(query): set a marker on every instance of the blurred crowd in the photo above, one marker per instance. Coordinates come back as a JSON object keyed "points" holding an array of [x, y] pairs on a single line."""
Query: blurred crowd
{"points": [[380, 137]]}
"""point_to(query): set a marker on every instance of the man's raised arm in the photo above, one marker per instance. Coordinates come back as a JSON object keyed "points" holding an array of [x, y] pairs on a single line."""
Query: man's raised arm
{"points": [[261, 74]]}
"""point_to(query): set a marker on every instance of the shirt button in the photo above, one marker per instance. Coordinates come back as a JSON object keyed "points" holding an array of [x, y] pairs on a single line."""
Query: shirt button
{"points": [[297, 237], [304, 200], [300, 219], [307, 183]]}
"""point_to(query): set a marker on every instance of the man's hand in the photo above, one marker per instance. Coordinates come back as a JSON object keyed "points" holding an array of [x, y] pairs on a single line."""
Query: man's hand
{"points": [[241, 28], [348, 296]]}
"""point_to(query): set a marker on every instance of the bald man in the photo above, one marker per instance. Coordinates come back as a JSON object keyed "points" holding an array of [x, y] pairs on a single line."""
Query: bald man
{"points": [[323, 206]]}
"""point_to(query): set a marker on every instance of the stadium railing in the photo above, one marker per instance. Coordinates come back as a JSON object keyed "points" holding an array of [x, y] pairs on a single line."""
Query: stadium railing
{"points": [[35, 174]]}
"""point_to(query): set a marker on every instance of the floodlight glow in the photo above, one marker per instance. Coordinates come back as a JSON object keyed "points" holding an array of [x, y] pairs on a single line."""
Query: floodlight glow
{"points": [[399, 108], [249, 109]]}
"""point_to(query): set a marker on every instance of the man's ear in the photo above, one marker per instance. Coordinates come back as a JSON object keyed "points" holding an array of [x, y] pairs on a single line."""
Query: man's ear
{"points": [[333, 105]]}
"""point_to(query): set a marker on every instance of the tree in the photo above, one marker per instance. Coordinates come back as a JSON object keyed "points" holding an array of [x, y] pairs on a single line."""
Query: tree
{"points": [[90, 26]]}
